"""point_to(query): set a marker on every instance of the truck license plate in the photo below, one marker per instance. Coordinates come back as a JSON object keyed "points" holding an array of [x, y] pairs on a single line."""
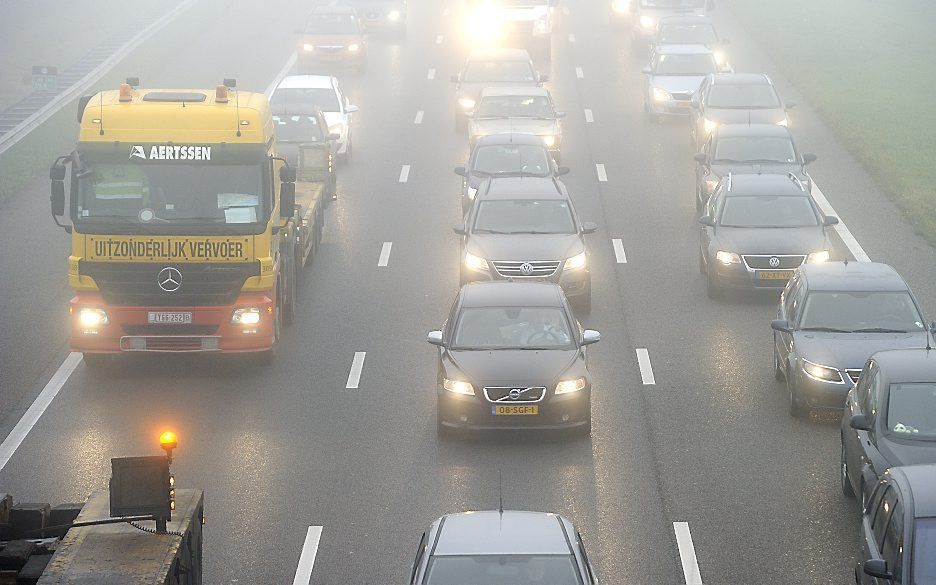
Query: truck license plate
{"points": [[168, 318], [514, 409]]}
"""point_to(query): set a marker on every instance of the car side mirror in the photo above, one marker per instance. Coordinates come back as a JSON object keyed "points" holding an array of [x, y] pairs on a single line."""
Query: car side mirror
{"points": [[701, 158], [542, 78], [707, 221], [351, 109], [877, 568], [454, 79], [461, 171], [781, 325], [459, 228], [808, 158], [830, 220], [589, 227], [562, 171], [933, 327], [590, 336], [790, 105], [860, 422], [646, 70], [435, 338], [287, 200]]}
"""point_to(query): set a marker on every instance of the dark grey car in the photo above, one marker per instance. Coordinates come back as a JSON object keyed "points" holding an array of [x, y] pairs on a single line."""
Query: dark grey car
{"points": [[756, 229], [889, 418], [517, 110], [526, 229], [487, 68], [832, 317], [754, 148], [507, 547], [512, 356]]}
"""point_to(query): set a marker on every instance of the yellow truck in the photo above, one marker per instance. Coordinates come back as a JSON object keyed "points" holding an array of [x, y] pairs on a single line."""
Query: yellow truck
{"points": [[186, 233]]}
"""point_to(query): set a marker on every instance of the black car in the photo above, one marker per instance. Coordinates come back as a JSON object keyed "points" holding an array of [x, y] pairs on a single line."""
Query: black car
{"points": [[491, 68], [898, 529], [511, 356], [526, 228], [754, 148], [303, 128], [505, 155], [756, 229], [502, 547], [889, 418], [735, 98], [381, 15], [832, 317], [517, 110]]}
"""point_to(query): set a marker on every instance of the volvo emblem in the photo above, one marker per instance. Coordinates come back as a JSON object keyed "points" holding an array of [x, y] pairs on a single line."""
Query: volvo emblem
{"points": [[774, 262], [515, 393], [169, 279], [526, 269]]}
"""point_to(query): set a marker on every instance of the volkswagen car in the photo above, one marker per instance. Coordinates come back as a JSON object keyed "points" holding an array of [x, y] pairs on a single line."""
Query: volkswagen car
{"points": [[487, 68], [831, 318], [673, 77], [512, 356], [528, 110], [322, 92], [735, 98], [332, 36]]}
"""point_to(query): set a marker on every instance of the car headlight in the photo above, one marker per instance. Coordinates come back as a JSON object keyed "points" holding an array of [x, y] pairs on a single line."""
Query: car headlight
{"points": [[647, 21], [394, 15], [576, 262], [820, 256], [785, 122], [336, 129], [727, 258], [709, 125], [661, 95], [549, 140], [354, 47], [473, 262], [719, 57], [710, 185], [458, 387], [466, 103], [91, 318], [246, 316], [621, 6], [821, 373], [308, 48], [541, 26], [472, 192], [569, 386]]}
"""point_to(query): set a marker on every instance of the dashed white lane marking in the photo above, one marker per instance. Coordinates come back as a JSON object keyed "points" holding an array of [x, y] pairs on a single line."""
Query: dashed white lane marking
{"points": [[307, 558], [619, 250], [690, 565], [589, 117], [579, 73], [35, 410], [384, 254], [431, 74], [419, 117], [602, 173], [357, 366], [571, 38], [279, 76], [439, 39], [404, 174], [646, 369], [840, 228]]}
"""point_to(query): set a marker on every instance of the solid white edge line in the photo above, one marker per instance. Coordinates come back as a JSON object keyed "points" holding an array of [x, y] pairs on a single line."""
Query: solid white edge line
{"points": [[16, 437], [690, 565], [307, 557], [589, 116], [840, 228], [357, 366], [602, 173], [404, 174], [646, 369], [279, 76], [431, 74], [419, 117], [579, 73], [384, 254], [619, 250]]}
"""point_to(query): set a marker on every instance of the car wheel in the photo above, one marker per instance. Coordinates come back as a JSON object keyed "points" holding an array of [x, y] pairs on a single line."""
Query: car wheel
{"points": [[777, 366], [847, 488], [712, 288], [97, 361], [796, 408]]}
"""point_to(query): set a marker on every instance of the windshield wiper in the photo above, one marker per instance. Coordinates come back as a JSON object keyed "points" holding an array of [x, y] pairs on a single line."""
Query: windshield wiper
{"points": [[826, 329], [490, 231], [534, 232], [540, 348], [879, 330], [516, 174]]}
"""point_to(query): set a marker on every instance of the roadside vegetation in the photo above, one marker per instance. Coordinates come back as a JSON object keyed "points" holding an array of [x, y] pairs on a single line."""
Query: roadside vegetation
{"points": [[868, 68]]}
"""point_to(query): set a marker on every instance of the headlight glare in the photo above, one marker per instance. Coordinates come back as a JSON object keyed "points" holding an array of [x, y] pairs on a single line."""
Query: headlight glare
{"points": [[541, 26], [549, 140], [569, 386], [576, 262], [621, 6], [820, 256], [92, 318], [308, 48], [784, 122], [354, 47], [394, 15], [661, 95], [473, 262], [472, 192], [647, 21], [727, 258], [246, 316], [821, 373], [466, 103], [710, 185], [458, 387], [719, 57], [709, 125]]}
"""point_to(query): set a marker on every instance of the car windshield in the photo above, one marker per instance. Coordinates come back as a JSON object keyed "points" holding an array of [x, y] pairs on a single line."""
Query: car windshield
{"points": [[743, 97], [514, 106], [524, 216], [924, 551], [777, 149], [857, 311], [766, 211], [295, 100], [501, 159], [298, 129], [502, 570], [687, 34], [688, 64], [512, 328], [332, 24], [169, 193], [499, 72], [911, 410]]}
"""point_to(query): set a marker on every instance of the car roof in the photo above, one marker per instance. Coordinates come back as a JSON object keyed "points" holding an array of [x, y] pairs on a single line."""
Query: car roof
{"points": [[511, 294], [740, 79], [774, 184], [907, 365], [514, 90], [726, 130], [522, 188], [685, 20], [306, 82], [853, 276], [498, 54], [920, 479], [694, 49], [510, 532], [510, 138]]}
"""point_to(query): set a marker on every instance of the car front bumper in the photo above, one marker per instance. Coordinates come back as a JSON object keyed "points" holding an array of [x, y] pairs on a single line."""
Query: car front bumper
{"points": [[562, 411], [573, 282], [818, 394]]}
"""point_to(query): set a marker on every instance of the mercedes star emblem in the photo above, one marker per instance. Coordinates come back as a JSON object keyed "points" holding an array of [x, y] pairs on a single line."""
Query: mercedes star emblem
{"points": [[774, 262], [169, 279], [526, 269]]}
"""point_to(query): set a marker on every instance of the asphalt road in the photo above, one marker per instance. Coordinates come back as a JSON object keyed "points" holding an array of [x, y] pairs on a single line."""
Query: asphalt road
{"points": [[281, 449]]}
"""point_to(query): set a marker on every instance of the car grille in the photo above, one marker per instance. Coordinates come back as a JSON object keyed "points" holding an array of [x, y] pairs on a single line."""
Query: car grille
{"points": [[134, 283], [854, 375], [170, 329], [534, 269], [330, 48], [524, 394], [762, 262]]}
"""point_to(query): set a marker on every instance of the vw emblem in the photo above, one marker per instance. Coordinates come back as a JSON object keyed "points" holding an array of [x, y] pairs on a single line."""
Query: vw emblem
{"points": [[515, 393], [169, 279], [774, 262], [526, 269]]}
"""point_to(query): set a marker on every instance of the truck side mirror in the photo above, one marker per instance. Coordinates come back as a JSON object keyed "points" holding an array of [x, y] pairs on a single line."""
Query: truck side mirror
{"points": [[287, 174], [58, 197], [287, 199]]}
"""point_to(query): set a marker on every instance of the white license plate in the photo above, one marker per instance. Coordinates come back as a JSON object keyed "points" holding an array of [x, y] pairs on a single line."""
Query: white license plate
{"points": [[168, 318]]}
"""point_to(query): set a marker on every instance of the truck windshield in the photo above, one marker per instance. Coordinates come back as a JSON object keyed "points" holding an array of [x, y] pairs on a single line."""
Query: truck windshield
{"points": [[168, 193]]}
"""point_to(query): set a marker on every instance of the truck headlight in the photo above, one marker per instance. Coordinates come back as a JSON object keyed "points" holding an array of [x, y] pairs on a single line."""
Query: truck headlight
{"points": [[727, 258], [91, 318], [477, 263], [821, 373], [466, 103], [458, 387], [354, 47], [247, 316], [569, 386], [661, 95], [820, 256], [647, 21], [709, 125], [308, 48], [394, 15], [576, 262]]}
